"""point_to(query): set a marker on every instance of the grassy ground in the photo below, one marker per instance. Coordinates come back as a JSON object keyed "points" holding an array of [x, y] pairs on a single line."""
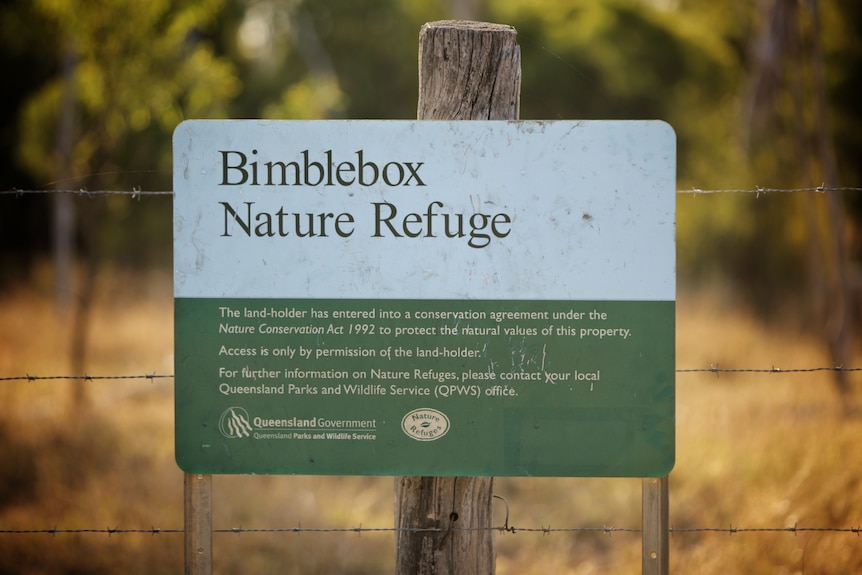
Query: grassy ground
{"points": [[753, 450]]}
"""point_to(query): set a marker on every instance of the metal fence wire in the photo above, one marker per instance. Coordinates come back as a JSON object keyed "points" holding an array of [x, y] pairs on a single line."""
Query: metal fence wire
{"points": [[135, 193]]}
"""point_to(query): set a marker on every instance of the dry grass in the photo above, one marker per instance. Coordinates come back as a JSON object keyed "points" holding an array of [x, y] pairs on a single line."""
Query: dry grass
{"points": [[753, 450]]}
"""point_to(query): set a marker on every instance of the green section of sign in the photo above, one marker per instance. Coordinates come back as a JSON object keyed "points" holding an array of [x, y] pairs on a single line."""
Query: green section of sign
{"points": [[425, 387]]}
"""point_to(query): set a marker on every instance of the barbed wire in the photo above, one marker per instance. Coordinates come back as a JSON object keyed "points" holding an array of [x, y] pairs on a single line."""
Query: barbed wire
{"points": [[711, 369], [137, 193], [605, 529], [774, 369], [89, 193], [759, 190], [107, 530], [85, 377]]}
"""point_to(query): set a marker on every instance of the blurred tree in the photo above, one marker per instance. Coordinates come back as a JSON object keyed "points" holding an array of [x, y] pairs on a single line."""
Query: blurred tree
{"points": [[787, 99], [129, 71], [133, 70], [136, 68], [141, 66], [27, 57], [327, 58], [801, 60]]}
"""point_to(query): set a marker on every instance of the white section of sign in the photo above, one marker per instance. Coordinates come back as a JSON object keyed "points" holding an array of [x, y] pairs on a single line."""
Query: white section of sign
{"points": [[584, 210]]}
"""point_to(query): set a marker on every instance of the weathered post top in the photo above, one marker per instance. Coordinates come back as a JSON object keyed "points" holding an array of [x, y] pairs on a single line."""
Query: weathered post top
{"points": [[468, 71]]}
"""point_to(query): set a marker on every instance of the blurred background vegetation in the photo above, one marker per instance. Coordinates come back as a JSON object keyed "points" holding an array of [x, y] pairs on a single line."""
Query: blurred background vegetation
{"points": [[760, 94]]}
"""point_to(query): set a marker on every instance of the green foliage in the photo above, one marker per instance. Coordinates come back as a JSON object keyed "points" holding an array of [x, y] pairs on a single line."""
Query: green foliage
{"points": [[136, 63], [372, 45], [622, 59], [127, 72], [310, 99], [144, 65], [327, 58]]}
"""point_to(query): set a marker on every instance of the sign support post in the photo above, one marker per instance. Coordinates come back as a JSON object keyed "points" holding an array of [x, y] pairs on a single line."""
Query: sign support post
{"points": [[197, 532], [655, 526], [467, 71]]}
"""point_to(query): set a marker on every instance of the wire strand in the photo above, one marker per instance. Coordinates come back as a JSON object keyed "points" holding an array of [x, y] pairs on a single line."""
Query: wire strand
{"points": [[711, 369], [606, 529], [757, 190]]}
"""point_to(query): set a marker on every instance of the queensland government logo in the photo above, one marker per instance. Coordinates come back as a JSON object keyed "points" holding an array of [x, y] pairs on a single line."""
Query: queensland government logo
{"points": [[425, 424], [234, 423]]}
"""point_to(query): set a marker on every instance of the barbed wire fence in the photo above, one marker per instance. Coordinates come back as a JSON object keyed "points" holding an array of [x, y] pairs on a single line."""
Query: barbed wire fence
{"points": [[711, 369], [607, 530], [137, 194]]}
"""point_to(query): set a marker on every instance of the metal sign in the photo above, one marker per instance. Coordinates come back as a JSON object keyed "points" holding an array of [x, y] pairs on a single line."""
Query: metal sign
{"points": [[425, 298]]}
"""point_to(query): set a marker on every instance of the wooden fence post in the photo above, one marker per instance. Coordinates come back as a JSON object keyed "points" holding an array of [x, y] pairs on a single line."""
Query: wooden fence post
{"points": [[467, 71]]}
